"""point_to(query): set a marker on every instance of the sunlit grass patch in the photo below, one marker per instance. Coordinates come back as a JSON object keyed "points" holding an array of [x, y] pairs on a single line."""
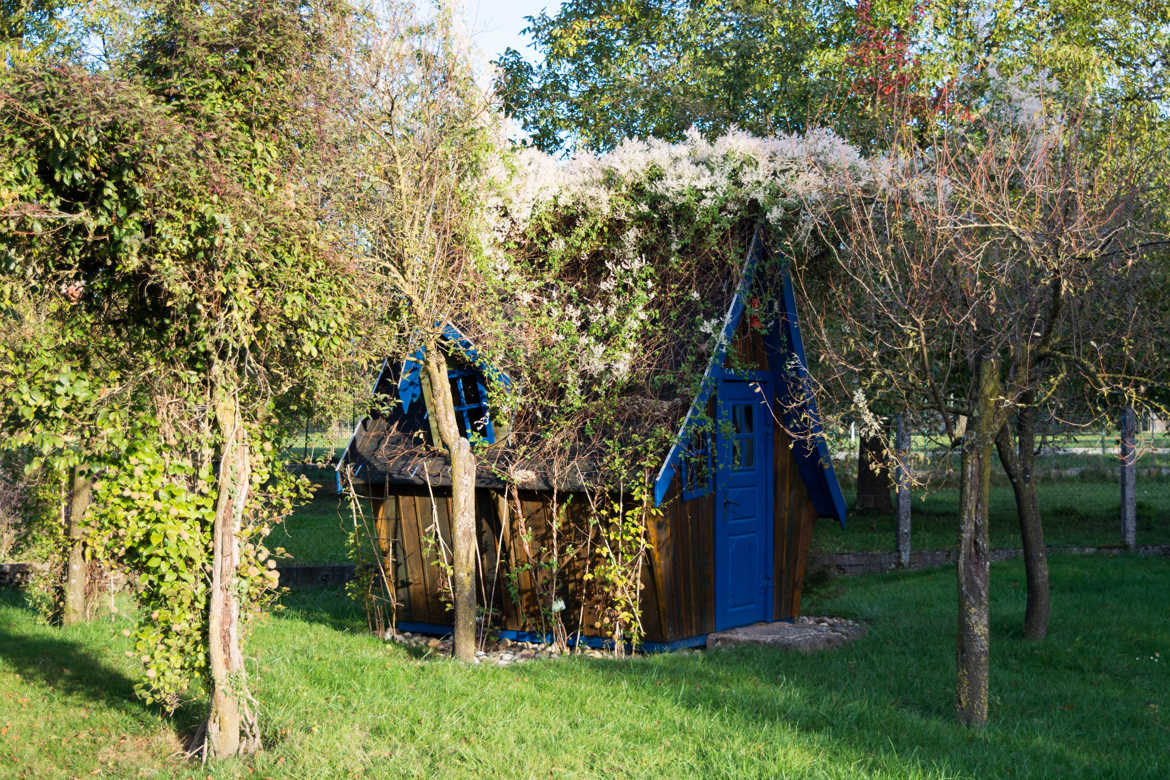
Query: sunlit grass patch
{"points": [[1089, 701]]}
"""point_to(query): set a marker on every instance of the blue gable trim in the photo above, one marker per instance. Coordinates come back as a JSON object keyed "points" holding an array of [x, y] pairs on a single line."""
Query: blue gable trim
{"points": [[410, 382], [714, 367], [785, 349], [803, 419]]}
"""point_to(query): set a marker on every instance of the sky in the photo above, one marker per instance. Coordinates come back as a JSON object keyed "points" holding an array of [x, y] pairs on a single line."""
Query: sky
{"points": [[496, 24]]}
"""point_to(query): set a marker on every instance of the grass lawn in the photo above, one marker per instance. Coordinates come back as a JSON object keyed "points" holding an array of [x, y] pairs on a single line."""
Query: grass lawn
{"points": [[315, 533], [1090, 701]]}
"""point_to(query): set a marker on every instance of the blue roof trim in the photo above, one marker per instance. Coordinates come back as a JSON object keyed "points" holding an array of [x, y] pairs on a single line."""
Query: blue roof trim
{"points": [[812, 453], [714, 366], [410, 382]]}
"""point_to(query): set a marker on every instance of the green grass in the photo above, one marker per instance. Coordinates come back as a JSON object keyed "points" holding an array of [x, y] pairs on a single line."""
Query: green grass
{"points": [[1090, 701], [1075, 513], [931, 457], [315, 533], [321, 447]]}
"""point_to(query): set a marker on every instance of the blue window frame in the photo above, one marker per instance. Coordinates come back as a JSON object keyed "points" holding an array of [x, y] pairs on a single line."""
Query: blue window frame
{"points": [[743, 447], [471, 405], [696, 465]]}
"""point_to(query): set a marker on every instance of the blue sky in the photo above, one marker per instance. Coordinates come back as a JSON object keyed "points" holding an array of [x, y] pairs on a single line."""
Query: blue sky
{"points": [[496, 24]]}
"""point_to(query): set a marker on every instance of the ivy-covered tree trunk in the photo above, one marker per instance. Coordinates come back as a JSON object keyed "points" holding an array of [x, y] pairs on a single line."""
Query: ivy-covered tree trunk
{"points": [[441, 406], [1019, 464], [974, 572], [873, 477], [75, 609], [232, 726]]}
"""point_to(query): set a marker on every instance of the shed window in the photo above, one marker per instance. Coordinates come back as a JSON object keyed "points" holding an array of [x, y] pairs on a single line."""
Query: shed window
{"points": [[743, 445], [471, 409], [696, 466]]}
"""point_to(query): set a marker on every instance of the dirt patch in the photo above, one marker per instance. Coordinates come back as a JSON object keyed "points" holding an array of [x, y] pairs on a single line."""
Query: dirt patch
{"points": [[497, 652]]}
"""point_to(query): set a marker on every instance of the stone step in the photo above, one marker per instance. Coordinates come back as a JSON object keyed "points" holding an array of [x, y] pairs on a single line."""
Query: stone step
{"points": [[805, 634]]}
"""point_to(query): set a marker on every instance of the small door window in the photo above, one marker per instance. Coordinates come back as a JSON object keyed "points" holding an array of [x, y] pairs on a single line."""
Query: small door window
{"points": [[743, 439]]}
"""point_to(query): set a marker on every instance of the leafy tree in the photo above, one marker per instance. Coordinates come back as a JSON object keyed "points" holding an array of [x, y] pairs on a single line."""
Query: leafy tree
{"points": [[654, 68], [29, 27], [178, 199], [413, 189], [1105, 62], [70, 200]]}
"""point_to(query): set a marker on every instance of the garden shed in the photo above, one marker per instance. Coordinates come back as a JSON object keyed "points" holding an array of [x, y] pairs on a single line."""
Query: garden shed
{"points": [[735, 497]]}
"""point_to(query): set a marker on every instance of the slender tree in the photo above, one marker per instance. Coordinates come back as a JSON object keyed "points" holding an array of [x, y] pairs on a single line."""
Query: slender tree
{"points": [[902, 486], [952, 276], [414, 191], [1017, 454]]}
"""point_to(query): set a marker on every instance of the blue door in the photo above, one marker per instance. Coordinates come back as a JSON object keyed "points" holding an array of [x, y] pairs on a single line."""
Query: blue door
{"points": [[743, 504]]}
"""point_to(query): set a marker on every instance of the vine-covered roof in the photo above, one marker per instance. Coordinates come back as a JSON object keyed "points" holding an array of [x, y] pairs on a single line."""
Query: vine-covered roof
{"points": [[605, 285]]}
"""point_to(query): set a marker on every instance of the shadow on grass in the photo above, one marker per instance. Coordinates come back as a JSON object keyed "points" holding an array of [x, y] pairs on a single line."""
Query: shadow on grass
{"points": [[63, 665], [1079, 704], [874, 719]]}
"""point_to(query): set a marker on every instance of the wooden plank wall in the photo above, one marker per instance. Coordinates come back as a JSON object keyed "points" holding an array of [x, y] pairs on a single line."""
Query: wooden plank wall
{"points": [[678, 593], [793, 518], [678, 596], [510, 577]]}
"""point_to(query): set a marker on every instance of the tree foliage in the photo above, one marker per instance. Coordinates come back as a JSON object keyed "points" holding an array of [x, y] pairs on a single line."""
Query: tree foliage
{"points": [[606, 71], [654, 68], [169, 211]]}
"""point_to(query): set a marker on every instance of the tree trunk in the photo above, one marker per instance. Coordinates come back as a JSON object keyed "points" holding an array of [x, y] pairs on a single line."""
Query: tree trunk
{"points": [[1019, 464], [1129, 477], [76, 571], [232, 728], [902, 482], [463, 496], [974, 573], [441, 406], [873, 477]]}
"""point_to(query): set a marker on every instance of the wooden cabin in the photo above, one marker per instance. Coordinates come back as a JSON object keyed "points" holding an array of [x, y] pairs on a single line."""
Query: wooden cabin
{"points": [[738, 495]]}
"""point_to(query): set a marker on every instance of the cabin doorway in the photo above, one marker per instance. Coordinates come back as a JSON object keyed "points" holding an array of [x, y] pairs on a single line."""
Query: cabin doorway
{"points": [[743, 503]]}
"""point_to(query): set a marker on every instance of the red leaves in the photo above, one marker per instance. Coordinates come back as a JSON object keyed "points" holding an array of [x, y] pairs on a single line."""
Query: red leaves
{"points": [[886, 70]]}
